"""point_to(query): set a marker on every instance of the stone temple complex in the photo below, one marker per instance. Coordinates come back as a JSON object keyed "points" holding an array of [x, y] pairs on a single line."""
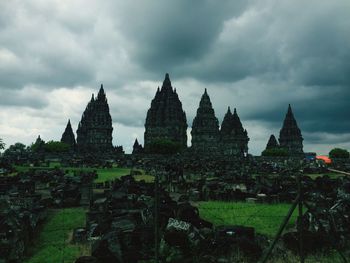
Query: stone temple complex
{"points": [[290, 135], [205, 127], [166, 119], [233, 137], [94, 133], [68, 136]]}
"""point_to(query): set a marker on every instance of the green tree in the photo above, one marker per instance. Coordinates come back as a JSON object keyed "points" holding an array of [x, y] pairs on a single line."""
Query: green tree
{"points": [[339, 153], [2, 144], [16, 151], [277, 152], [38, 146], [56, 147], [164, 146]]}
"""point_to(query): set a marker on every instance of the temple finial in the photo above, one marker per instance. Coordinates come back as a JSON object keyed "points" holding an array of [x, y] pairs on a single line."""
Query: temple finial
{"points": [[167, 83]]}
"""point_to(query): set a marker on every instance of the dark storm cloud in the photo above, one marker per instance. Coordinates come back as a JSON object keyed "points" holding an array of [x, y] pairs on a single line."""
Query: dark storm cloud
{"points": [[226, 42], [324, 110], [265, 42], [257, 56], [330, 138], [169, 34]]}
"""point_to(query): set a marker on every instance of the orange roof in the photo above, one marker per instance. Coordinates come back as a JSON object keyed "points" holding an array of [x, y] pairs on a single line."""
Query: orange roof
{"points": [[326, 159]]}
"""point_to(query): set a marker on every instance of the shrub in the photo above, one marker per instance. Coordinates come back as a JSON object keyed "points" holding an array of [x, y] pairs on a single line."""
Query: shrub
{"points": [[164, 146], [275, 152], [56, 147], [339, 153]]}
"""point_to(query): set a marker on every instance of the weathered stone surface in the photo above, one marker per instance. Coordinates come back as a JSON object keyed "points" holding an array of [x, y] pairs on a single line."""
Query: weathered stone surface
{"points": [[205, 127], [166, 119], [95, 128], [272, 143], [290, 135], [233, 137], [68, 136]]}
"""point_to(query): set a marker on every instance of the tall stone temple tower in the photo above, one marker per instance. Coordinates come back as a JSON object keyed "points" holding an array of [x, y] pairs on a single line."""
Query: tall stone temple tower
{"points": [[290, 135], [166, 118], [95, 129], [233, 138], [205, 127], [68, 136]]}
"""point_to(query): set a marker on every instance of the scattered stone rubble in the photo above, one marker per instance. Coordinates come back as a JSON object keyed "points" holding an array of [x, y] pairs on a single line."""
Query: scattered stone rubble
{"points": [[120, 224], [24, 201], [121, 227]]}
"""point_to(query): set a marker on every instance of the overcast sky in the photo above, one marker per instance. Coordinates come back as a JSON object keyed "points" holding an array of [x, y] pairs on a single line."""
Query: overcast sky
{"points": [[257, 56]]}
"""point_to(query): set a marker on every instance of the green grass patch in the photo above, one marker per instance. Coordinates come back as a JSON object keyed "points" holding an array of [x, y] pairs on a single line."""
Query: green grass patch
{"points": [[147, 178], [287, 256], [109, 174], [22, 168], [55, 164], [53, 243], [330, 175], [265, 218]]}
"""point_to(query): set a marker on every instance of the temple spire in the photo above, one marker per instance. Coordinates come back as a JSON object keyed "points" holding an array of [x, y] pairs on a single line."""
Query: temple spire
{"points": [[101, 94], [165, 119], [68, 136], [272, 143], [136, 143], [137, 148], [290, 112], [167, 83], [205, 127], [290, 135], [94, 133], [233, 137]]}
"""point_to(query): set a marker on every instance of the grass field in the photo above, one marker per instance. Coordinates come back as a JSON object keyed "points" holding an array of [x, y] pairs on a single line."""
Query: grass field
{"points": [[330, 175], [53, 243], [109, 174], [265, 218]]}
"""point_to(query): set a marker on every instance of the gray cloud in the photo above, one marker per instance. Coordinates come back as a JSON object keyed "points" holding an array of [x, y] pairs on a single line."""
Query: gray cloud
{"points": [[168, 35], [318, 137], [267, 41], [316, 109], [28, 97]]}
